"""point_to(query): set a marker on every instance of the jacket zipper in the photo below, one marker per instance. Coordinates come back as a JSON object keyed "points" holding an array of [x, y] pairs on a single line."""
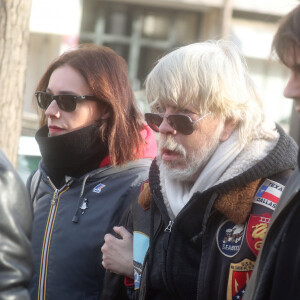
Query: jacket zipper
{"points": [[168, 230], [169, 227], [142, 293], [208, 213], [47, 238], [167, 236]]}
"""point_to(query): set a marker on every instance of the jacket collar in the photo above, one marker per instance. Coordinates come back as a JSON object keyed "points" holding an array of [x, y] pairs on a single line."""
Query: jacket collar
{"points": [[237, 203], [150, 147]]}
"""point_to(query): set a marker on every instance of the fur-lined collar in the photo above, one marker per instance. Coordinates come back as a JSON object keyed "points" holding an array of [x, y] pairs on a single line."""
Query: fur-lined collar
{"points": [[236, 204]]}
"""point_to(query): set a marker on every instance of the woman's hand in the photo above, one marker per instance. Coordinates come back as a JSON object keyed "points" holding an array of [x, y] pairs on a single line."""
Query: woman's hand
{"points": [[118, 253]]}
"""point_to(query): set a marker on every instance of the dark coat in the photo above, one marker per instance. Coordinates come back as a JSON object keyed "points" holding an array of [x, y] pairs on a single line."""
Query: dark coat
{"points": [[277, 273], [16, 264], [209, 250]]}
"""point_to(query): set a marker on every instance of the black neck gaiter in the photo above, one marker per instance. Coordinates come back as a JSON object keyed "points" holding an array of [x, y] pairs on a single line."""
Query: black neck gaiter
{"points": [[73, 154]]}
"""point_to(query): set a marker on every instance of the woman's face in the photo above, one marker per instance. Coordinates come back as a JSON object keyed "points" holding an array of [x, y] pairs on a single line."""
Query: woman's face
{"points": [[67, 80]]}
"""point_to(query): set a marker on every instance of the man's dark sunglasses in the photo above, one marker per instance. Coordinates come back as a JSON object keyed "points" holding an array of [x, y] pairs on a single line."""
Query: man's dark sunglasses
{"points": [[181, 123], [65, 102]]}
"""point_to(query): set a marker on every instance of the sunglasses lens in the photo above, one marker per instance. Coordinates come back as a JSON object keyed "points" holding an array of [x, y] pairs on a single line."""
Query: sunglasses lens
{"points": [[181, 123], [43, 99], [153, 120], [66, 102]]}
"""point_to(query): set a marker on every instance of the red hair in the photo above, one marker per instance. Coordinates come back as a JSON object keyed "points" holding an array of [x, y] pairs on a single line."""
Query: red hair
{"points": [[107, 77]]}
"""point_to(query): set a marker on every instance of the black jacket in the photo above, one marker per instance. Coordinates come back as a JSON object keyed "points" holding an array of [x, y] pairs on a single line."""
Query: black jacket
{"points": [[277, 273], [209, 251], [15, 229]]}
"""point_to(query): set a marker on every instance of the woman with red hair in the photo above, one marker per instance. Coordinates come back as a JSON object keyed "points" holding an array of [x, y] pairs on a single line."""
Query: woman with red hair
{"points": [[96, 151]]}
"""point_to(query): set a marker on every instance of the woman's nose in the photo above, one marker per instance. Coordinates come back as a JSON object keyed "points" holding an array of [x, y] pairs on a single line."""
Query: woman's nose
{"points": [[52, 110]]}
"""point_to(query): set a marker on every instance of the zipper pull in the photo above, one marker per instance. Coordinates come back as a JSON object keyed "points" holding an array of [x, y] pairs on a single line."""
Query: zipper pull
{"points": [[55, 197], [169, 227], [168, 230]]}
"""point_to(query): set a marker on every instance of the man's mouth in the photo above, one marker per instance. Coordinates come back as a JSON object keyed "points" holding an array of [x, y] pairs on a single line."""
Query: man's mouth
{"points": [[167, 154]]}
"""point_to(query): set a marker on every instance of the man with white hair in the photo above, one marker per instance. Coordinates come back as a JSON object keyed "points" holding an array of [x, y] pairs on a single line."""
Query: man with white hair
{"points": [[200, 219]]}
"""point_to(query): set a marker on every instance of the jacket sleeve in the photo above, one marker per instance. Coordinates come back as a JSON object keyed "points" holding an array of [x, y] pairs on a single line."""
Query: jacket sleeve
{"points": [[15, 229], [114, 287]]}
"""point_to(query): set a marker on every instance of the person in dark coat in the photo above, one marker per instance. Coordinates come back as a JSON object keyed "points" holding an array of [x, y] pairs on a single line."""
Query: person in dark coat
{"points": [[221, 167], [16, 263], [276, 275]]}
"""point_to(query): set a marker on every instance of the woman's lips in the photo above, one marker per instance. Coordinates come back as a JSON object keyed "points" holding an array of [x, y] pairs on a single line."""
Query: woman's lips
{"points": [[53, 129]]}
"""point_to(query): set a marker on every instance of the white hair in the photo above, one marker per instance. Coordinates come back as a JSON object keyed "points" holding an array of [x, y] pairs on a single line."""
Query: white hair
{"points": [[211, 76]]}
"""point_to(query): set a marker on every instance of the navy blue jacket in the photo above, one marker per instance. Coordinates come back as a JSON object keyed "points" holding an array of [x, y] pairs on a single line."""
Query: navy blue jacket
{"points": [[69, 228]]}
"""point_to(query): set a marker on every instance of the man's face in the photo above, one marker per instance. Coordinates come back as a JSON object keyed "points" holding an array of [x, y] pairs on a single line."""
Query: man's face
{"points": [[292, 89], [184, 156]]}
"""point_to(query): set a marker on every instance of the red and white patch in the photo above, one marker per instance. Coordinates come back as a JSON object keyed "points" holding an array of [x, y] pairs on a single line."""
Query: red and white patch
{"points": [[269, 193], [256, 230], [239, 275]]}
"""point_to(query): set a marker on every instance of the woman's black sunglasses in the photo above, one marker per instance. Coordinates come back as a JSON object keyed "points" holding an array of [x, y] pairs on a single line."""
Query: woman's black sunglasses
{"points": [[65, 102], [181, 123]]}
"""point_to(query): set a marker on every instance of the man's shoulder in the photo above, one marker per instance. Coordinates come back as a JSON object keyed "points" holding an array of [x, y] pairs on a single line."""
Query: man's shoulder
{"points": [[291, 189], [282, 177]]}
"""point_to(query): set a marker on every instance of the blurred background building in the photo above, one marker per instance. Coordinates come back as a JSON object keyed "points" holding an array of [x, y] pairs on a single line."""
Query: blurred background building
{"points": [[142, 31]]}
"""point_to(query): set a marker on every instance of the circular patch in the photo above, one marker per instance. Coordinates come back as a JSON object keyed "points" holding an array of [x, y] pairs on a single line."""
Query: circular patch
{"points": [[230, 237]]}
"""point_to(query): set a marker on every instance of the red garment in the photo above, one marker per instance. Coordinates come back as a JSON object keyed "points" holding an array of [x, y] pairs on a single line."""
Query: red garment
{"points": [[128, 281], [149, 150]]}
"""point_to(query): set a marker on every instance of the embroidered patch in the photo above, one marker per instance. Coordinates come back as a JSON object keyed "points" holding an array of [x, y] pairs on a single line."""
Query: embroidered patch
{"points": [[269, 194], [256, 230], [98, 188], [140, 248], [239, 275], [230, 237]]}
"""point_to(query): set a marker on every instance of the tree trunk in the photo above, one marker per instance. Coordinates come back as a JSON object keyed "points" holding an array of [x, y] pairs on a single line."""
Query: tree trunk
{"points": [[226, 18], [14, 38]]}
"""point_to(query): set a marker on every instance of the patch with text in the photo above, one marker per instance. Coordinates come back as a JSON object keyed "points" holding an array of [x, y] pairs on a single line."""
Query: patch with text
{"points": [[269, 194], [230, 237], [239, 275]]}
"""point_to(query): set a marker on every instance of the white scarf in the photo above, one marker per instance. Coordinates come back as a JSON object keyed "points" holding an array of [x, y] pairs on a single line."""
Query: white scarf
{"points": [[229, 160]]}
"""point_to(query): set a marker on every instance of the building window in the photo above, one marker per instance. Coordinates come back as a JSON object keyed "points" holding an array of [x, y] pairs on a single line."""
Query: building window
{"points": [[140, 34]]}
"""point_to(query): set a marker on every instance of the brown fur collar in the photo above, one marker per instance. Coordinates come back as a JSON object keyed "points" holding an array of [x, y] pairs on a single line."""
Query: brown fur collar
{"points": [[145, 196], [236, 205]]}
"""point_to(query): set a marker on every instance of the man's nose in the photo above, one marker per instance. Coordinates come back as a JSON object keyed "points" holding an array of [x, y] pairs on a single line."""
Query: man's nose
{"points": [[292, 89], [165, 127]]}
